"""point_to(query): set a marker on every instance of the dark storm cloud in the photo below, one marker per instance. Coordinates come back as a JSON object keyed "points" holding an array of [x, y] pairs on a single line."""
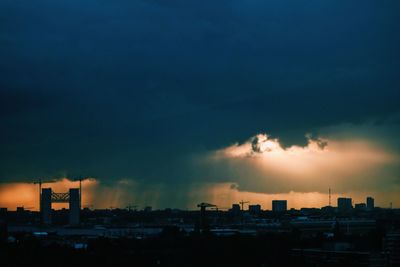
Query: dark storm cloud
{"points": [[14, 102], [135, 89]]}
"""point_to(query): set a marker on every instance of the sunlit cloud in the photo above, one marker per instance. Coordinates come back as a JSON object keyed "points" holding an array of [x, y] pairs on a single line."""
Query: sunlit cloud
{"points": [[262, 164], [347, 159]]}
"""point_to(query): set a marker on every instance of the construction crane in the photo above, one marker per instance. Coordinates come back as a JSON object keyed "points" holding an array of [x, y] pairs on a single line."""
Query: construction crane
{"points": [[329, 191], [80, 190], [80, 179], [40, 182], [242, 203]]}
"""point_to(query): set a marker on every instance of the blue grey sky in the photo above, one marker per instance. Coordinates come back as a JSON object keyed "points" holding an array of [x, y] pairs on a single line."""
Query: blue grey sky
{"points": [[137, 89]]}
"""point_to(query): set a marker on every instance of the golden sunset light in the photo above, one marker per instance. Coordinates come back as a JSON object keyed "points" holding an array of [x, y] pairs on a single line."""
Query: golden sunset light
{"points": [[205, 133]]}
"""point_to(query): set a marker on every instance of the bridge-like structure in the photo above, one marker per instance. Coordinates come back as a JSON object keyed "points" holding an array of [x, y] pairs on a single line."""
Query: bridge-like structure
{"points": [[47, 197], [60, 197], [73, 197]]}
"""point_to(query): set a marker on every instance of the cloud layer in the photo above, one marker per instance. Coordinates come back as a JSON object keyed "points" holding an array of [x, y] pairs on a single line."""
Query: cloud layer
{"points": [[262, 164], [153, 92]]}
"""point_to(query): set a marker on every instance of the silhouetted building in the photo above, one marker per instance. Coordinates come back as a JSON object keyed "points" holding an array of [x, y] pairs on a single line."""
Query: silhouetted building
{"points": [[3, 212], [279, 205], [47, 197], [370, 203], [20, 209], [74, 206], [45, 206], [235, 209], [344, 204], [255, 209]]}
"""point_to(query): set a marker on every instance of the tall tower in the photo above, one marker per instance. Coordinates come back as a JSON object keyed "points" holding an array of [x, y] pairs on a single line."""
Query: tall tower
{"points": [[370, 203], [45, 206], [74, 206], [73, 197], [330, 197]]}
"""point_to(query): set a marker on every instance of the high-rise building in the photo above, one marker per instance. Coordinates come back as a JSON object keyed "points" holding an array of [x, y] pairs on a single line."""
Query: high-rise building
{"points": [[279, 205], [370, 203], [344, 204], [74, 206], [45, 206]]}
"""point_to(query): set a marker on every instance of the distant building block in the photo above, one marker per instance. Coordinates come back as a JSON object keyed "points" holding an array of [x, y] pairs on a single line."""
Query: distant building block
{"points": [[47, 197], [344, 204], [370, 203], [279, 205]]}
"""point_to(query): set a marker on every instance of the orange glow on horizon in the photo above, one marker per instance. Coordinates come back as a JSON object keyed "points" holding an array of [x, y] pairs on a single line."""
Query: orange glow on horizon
{"points": [[96, 195], [13, 195], [224, 196]]}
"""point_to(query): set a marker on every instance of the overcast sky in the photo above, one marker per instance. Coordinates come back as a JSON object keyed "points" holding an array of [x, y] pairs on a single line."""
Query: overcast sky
{"points": [[158, 93]]}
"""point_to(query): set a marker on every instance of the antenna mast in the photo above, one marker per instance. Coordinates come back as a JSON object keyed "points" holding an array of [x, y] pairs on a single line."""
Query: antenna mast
{"points": [[329, 197]]}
